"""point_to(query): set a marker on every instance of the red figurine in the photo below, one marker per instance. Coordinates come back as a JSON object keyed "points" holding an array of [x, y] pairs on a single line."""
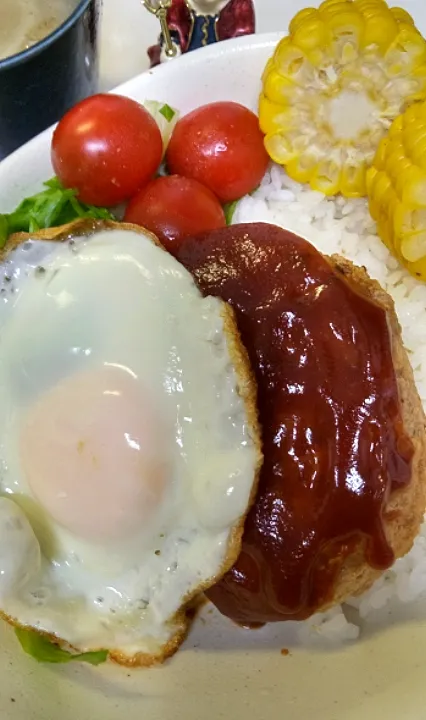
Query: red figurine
{"points": [[196, 23]]}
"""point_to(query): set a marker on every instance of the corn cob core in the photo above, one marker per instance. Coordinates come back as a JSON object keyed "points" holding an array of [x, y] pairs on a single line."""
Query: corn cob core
{"points": [[396, 186], [334, 86]]}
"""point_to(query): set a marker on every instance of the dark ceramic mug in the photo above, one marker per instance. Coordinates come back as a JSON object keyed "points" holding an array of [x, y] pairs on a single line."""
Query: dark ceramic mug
{"points": [[38, 85]]}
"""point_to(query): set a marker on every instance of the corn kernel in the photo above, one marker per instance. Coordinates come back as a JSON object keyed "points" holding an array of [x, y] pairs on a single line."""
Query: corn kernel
{"points": [[277, 88], [353, 180], [381, 154], [269, 115], [402, 16], [301, 168], [268, 68], [311, 34], [413, 247], [279, 148], [300, 18], [327, 177], [380, 29]]}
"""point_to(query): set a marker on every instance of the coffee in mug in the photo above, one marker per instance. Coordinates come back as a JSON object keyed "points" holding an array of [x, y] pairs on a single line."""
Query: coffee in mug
{"points": [[23, 23], [48, 63]]}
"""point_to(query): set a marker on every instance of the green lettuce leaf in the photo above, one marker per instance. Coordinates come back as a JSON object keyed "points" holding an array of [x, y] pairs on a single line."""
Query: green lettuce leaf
{"points": [[43, 650], [229, 210], [53, 206], [4, 230]]}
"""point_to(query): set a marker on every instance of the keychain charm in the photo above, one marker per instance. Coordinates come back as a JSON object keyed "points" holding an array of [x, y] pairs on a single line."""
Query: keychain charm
{"points": [[192, 24]]}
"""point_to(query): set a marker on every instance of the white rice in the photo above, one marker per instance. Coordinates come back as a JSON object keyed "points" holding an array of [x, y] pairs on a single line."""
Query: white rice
{"points": [[344, 226]]}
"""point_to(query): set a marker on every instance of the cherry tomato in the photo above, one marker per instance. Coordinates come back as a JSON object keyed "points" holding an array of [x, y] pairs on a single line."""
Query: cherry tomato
{"points": [[221, 145], [174, 207], [107, 147]]}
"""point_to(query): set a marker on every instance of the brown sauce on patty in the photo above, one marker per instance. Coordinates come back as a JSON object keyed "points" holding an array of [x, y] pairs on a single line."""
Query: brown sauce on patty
{"points": [[333, 439]]}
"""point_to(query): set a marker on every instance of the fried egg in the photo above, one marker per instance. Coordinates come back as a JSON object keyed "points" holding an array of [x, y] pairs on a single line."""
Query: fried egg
{"points": [[129, 445]]}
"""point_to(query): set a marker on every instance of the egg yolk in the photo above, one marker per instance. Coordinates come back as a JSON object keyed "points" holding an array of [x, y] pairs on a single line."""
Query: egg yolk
{"points": [[90, 449]]}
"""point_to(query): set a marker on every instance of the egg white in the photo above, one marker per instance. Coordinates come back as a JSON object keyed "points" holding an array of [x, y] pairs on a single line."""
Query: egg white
{"points": [[114, 297]]}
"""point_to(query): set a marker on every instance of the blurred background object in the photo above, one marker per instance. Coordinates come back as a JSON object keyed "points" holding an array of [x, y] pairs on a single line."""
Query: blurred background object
{"points": [[169, 48], [194, 24], [128, 29], [49, 73]]}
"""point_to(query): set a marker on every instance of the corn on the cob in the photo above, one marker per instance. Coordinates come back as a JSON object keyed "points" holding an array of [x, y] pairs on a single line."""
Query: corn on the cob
{"points": [[396, 188], [333, 87]]}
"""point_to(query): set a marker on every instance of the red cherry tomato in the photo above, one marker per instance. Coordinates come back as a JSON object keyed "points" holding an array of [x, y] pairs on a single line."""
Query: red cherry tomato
{"points": [[107, 147], [174, 207], [221, 145]]}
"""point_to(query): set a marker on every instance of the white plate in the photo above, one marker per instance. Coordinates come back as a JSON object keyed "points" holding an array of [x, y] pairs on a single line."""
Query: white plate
{"points": [[221, 671]]}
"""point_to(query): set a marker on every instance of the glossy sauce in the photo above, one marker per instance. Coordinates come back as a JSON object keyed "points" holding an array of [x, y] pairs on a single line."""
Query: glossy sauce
{"points": [[328, 401]]}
